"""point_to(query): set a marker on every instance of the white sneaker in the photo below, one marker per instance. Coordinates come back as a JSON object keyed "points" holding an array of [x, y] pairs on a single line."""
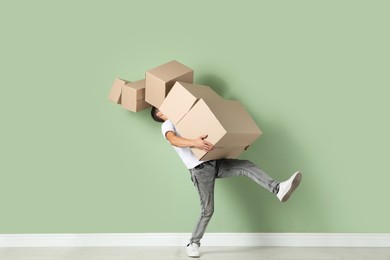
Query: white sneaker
{"points": [[193, 250], [286, 188]]}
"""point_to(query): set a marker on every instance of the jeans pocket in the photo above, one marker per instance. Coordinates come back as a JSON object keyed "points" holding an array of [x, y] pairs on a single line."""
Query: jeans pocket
{"points": [[193, 177]]}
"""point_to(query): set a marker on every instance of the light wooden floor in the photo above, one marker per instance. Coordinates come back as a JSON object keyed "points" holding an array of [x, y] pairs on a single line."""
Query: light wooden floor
{"points": [[173, 253]]}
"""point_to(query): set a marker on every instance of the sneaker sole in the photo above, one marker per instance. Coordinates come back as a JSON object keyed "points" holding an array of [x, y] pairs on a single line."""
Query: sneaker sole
{"points": [[193, 256], [295, 183]]}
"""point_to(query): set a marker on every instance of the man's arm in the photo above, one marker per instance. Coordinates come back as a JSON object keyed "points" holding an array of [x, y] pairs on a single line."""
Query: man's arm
{"points": [[199, 142]]}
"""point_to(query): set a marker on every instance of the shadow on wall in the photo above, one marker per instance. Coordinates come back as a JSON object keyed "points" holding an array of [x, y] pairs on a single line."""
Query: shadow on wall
{"points": [[218, 84], [272, 152]]}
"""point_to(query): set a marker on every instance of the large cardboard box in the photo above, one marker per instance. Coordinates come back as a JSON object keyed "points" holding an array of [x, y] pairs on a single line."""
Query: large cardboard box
{"points": [[116, 90], [160, 80], [227, 124], [182, 97], [133, 96]]}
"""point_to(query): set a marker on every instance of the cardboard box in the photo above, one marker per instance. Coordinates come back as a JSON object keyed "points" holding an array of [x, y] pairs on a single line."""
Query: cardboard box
{"points": [[116, 90], [220, 152], [227, 124], [182, 97], [161, 79], [133, 96]]}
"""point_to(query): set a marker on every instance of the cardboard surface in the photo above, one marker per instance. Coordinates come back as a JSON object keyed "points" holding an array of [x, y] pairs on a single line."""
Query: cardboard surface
{"points": [[182, 97], [227, 124], [218, 153], [195, 110], [241, 128], [116, 90], [133, 96], [160, 80]]}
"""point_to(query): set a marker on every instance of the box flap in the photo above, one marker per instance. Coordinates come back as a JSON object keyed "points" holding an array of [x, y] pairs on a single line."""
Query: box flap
{"points": [[116, 90]]}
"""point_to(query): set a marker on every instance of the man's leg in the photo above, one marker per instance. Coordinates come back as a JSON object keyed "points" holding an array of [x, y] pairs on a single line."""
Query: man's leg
{"points": [[204, 180], [236, 167]]}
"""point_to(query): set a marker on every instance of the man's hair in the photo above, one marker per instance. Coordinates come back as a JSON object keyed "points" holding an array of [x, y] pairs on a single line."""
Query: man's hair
{"points": [[154, 115]]}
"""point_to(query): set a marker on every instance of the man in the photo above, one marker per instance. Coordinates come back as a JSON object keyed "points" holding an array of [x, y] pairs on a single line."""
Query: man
{"points": [[204, 173]]}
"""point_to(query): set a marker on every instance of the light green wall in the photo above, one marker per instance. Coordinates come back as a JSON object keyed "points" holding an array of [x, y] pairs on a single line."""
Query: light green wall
{"points": [[313, 74]]}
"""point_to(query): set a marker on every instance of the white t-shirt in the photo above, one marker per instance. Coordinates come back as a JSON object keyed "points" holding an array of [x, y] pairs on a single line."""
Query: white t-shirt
{"points": [[185, 153]]}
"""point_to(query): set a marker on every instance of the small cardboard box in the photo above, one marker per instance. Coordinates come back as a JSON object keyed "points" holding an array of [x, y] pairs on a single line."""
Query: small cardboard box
{"points": [[182, 97], [227, 124], [161, 79], [116, 90], [133, 96]]}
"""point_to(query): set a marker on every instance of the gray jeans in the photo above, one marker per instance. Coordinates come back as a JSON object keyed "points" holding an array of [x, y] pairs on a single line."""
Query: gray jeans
{"points": [[203, 177]]}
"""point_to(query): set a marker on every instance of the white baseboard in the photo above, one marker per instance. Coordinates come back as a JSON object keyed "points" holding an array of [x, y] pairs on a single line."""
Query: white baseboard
{"points": [[210, 239]]}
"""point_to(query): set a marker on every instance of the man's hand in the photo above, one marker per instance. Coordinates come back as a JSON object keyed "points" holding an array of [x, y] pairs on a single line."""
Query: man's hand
{"points": [[200, 143]]}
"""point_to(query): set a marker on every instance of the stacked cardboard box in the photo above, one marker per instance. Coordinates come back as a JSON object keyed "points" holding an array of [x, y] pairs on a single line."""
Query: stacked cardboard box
{"points": [[161, 79], [183, 97], [131, 95], [116, 90], [142, 94], [195, 110]]}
